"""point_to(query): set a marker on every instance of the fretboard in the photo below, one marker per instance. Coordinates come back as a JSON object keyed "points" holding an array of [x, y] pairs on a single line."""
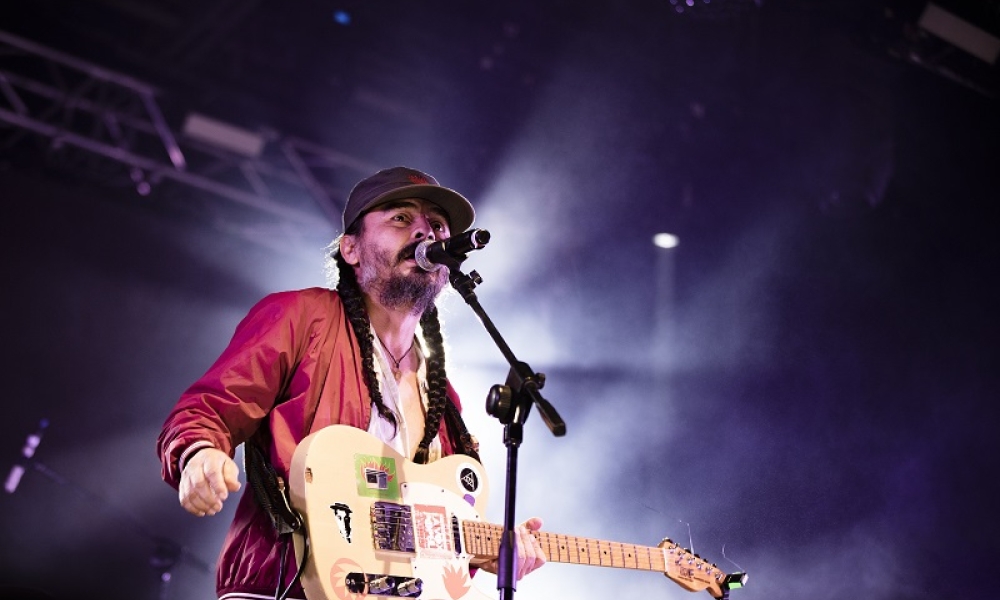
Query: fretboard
{"points": [[483, 540]]}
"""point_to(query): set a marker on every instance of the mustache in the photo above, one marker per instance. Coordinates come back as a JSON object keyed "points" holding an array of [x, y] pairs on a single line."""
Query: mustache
{"points": [[407, 252]]}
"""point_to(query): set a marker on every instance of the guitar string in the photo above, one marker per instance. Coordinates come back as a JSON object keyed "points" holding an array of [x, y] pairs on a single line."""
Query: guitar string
{"points": [[485, 533], [568, 543], [481, 539], [580, 550], [543, 536]]}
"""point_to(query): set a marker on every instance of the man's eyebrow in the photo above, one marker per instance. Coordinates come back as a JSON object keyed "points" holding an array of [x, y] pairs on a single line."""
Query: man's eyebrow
{"points": [[438, 211], [434, 208]]}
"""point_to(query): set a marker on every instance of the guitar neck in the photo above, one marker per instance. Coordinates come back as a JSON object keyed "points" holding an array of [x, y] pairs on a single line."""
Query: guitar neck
{"points": [[483, 540]]}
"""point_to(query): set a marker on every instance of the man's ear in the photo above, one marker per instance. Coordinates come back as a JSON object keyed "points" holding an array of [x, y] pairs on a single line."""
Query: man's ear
{"points": [[349, 249]]}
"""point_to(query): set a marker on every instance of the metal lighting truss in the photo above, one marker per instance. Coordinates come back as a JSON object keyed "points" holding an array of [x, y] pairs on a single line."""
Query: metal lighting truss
{"points": [[78, 104]]}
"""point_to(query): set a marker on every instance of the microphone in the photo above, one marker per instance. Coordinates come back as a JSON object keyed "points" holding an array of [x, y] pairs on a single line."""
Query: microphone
{"points": [[431, 256], [28, 451]]}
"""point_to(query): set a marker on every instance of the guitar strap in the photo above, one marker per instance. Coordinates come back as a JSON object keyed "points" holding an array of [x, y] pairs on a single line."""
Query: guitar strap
{"points": [[270, 490]]}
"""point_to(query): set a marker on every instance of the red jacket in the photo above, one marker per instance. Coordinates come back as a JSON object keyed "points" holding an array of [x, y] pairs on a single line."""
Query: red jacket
{"points": [[294, 367]]}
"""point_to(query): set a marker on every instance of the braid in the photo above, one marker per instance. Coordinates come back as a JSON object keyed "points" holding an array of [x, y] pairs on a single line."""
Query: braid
{"points": [[437, 381], [350, 293]]}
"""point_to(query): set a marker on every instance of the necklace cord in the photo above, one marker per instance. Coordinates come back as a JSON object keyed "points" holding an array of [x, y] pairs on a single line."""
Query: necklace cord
{"points": [[389, 352]]}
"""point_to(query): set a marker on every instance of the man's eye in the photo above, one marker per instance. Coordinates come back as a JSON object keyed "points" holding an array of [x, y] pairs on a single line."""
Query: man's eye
{"points": [[438, 226]]}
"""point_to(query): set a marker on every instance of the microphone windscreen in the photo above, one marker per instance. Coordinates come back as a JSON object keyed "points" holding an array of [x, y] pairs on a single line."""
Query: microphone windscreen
{"points": [[420, 255]]}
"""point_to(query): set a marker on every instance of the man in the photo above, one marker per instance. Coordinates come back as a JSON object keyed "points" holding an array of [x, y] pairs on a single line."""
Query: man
{"points": [[301, 360]]}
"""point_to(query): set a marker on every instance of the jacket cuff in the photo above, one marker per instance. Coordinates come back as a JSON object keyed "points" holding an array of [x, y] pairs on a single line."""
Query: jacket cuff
{"points": [[188, 453]]}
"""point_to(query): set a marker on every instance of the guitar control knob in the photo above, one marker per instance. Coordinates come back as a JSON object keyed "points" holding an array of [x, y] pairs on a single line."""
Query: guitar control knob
{"points": [[410, 587], [380, 585]]}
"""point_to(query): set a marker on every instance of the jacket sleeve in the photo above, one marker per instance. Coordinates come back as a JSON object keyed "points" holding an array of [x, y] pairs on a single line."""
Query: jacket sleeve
{"points": [[225, 406]]}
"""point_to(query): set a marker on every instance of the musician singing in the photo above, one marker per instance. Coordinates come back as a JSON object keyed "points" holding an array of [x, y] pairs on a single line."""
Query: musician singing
{"points": [[367, 353]]}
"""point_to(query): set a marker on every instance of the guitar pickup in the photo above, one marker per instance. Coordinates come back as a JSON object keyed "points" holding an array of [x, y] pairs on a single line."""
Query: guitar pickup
{"points": [[392, 527], [378, 584]]}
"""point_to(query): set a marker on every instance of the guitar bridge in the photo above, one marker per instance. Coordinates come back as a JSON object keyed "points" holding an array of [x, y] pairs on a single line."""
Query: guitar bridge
{"points": [[378, 584], [392, 527]]}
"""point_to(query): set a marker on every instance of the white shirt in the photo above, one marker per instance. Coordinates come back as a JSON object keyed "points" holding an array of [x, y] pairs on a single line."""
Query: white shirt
{"points": [[399, 439]]}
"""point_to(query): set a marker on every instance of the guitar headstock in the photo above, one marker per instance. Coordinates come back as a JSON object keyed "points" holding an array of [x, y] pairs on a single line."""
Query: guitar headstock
{"points": [[695, 574]]}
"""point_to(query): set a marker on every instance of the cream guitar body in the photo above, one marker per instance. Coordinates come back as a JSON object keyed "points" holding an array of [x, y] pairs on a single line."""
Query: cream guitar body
{"points": [[377, 522]]}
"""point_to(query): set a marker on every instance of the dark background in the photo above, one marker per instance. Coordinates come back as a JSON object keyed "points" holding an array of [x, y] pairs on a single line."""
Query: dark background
{"points": [[804, 388]]}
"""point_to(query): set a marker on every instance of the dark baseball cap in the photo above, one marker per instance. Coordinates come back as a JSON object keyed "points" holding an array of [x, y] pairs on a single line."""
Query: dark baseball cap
{"points": [[397, 183]]}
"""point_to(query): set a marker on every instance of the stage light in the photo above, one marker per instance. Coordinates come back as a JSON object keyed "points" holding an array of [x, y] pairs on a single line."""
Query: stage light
{"points": [[666, 240], [223, 135], [342, 17], [960, 33]]}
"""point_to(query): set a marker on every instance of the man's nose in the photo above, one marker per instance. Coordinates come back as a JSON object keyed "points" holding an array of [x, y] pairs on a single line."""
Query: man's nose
{"points": [[424, 228]]}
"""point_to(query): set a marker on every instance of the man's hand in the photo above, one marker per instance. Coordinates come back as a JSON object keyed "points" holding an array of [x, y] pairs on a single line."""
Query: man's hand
{"points": [[530, 555], [206, 482]]}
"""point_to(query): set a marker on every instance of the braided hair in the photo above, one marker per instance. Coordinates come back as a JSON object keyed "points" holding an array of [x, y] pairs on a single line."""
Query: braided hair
{"points": [[430, 325], [437, 381]]}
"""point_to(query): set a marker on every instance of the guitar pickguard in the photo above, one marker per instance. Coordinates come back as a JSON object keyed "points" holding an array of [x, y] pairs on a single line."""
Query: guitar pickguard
{"points": [[379, 525]]}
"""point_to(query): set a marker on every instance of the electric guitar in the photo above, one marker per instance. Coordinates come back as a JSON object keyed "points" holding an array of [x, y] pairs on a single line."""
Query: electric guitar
{"points": [[377, 524]]}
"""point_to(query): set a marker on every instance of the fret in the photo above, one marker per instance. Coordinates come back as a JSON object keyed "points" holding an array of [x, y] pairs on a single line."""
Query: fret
{"points": [[595, 552], [562, 545], [483, 540], [629, 556]]}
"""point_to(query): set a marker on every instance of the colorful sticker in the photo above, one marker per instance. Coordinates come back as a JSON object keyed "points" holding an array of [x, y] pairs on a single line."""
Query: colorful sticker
{"points": [[468, 479], [342, 512], [376, 476], [456, 580], [432, 531], [339, 570]]}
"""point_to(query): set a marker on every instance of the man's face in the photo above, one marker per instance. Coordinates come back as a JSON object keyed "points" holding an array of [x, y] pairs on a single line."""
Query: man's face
{"points": [[382, 254]]}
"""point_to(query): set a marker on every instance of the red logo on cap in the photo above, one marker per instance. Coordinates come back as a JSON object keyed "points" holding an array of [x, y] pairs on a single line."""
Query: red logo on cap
{"points": [[417, 179]]}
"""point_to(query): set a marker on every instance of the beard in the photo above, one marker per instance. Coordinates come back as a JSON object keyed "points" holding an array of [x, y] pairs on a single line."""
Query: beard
{"points": [[414, 291]]}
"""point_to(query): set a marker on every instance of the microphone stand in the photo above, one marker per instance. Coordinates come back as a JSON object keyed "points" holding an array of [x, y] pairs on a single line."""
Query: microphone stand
{"points": [[511, 404]]}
